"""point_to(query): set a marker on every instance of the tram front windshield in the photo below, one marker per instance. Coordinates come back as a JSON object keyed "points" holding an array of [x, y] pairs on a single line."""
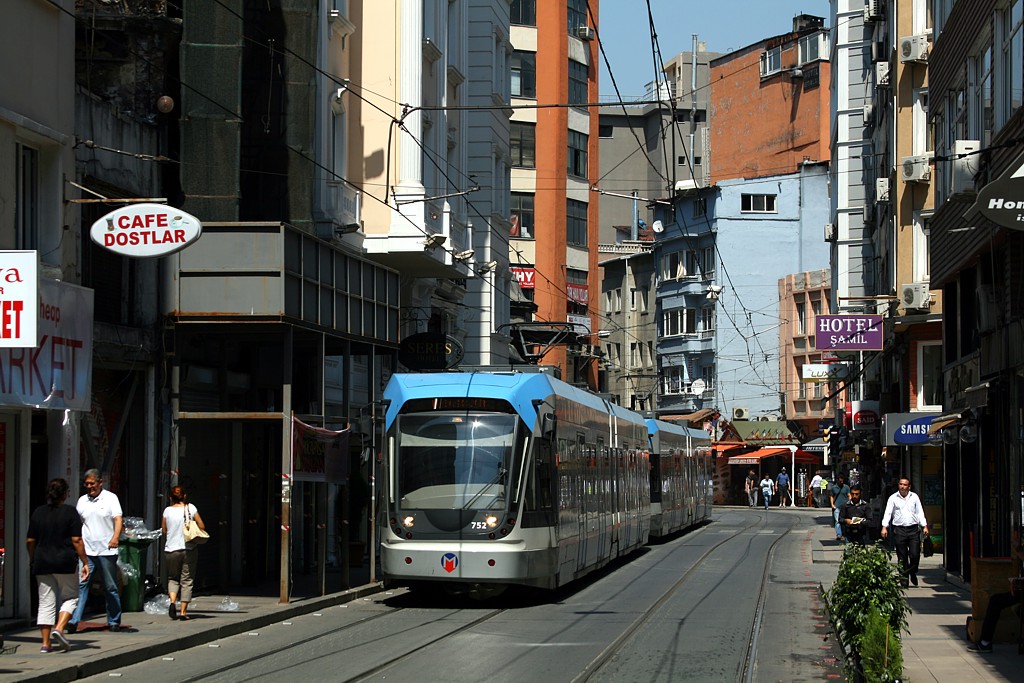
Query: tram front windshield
{"points": [[455, 460]]}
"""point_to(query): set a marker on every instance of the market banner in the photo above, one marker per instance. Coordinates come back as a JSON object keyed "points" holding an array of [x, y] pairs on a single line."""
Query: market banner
{"points": [[319, 454]]}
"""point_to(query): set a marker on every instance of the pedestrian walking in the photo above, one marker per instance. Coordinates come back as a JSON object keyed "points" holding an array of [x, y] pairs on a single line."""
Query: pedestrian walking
{"points": [[100, 511], [813, 490], [179, 556], [55, 547], [904, 516], [840, 493], [782, 487], [854, 517], [751, 488], [767, 489]]}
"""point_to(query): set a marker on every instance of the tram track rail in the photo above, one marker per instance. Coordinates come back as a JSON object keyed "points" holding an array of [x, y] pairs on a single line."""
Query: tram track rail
{"points": [[745, 672]]}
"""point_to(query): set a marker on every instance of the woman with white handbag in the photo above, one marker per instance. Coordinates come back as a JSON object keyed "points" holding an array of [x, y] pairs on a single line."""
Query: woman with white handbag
{"points": [[183, 530]]}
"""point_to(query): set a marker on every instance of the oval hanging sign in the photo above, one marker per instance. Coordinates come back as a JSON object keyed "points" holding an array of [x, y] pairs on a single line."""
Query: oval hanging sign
{"points": [[430, 351], [146, 230]]}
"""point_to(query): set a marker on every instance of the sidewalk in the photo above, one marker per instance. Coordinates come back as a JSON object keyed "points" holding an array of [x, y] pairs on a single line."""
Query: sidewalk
{"points": [[935, 650], [94, 650]]}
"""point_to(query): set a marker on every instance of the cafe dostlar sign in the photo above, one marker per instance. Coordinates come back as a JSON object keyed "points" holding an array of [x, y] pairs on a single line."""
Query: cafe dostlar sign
{"points": [[146, 230]]}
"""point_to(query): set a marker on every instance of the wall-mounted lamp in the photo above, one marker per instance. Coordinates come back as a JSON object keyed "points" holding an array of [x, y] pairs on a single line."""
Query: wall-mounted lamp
{"points": [[714, 291], [463, 255], [487, 267], [796, 73], [435, 240]]}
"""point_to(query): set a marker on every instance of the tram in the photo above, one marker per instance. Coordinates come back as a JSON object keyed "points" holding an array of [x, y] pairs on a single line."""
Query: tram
{"points": [[493, 479], [682, 486]]}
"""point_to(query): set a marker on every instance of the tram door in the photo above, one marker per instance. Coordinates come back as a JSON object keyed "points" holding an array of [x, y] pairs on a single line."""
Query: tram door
{"points": [[585, 484]]}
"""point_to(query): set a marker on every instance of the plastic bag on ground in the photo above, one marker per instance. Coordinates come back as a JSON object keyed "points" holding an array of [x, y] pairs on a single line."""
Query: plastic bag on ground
{"points": [[135, 527], [228, 605], [157, 605]]}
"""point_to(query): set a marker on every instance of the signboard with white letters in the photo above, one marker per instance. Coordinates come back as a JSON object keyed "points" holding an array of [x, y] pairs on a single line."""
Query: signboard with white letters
{"points": [[19, 298], [146, 230], [56, 372]]}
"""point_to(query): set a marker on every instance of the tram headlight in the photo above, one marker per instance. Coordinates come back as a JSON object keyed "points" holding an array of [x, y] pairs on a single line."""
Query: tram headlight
{"points": [[491, 521], [408, 521]]}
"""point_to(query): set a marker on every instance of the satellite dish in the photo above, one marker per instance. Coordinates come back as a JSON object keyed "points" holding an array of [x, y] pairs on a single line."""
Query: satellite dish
{"points": [[698, 386], [658, 226]]}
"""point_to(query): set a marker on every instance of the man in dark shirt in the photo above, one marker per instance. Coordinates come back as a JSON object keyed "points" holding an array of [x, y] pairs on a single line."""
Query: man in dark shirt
{"points": [[854, 516]]}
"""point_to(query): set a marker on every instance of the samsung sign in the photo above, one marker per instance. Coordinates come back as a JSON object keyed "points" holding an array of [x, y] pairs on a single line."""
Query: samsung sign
{"points": [[908, 429]]}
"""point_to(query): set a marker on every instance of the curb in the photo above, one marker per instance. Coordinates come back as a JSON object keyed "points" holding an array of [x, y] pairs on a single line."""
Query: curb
{"points": [[102, 663]]}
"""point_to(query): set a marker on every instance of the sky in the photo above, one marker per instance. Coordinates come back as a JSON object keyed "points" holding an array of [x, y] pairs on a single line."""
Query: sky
{"points": [[724, 25]]}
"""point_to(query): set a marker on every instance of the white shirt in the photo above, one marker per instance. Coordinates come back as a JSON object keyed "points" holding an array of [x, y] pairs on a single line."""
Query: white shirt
{"points": [[816, 482], [98, 521], [902, 511], [174, 518]]}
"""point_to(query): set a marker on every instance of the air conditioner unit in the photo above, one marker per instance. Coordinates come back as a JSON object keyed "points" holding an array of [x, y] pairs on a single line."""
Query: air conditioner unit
{"points": [[914, 48], [873, 10], [915, 295], [966, 163], [882, 74], [741, 413], [830, 232], [916, 169], [881, 190], [585, 33], [869, 114]]}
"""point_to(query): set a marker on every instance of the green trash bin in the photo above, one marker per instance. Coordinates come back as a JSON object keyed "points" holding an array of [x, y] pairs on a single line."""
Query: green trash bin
{"points": [[132, 552]]}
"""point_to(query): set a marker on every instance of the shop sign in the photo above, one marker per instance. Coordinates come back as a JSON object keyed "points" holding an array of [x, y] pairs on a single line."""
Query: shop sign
{"points": [[907, 429], [577, 293], [19, 298], [57, 372], [848, 332], [526, 277], [581, 323], [825, 372], [146, 230], [430, 351], [864, 415], [1002, 200]]}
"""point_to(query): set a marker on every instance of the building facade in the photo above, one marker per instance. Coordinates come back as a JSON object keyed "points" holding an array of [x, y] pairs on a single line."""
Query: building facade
{"points": [[803, 297]]}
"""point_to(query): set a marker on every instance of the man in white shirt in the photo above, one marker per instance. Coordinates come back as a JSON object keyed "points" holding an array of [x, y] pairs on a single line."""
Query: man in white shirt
{"points": [[814, 490], [101, 532], [904, 516]]}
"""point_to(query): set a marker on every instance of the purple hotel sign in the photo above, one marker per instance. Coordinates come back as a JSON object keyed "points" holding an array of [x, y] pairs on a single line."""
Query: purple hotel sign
{"points": [[848, 332]]}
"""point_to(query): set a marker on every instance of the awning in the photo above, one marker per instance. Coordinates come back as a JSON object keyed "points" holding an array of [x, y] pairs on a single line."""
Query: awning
{"points": [[815, 446], [698, 416], [942, 421], [755, 457]]}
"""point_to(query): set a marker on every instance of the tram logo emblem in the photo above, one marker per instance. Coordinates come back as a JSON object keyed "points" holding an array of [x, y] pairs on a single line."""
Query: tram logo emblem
{"points": [[449, 562]]}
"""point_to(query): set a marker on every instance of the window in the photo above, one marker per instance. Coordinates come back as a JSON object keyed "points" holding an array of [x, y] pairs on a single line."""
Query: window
{"points": [[576, 222], [707, 320], [522, 215], [1011, 44], [638, 299], [809, 48], [709, 263], [578, 83], [605, 130], [707, 373], [801, 391], [929, 376], [524, 74], [634, 354], [700, 207], [26, 208], [920, 251], [523, 144], [523, 12], [577, 161], [801, 319], [673, 266], [674, 380], [771, 61], [679, 321], [577, 15], [757, 203]]}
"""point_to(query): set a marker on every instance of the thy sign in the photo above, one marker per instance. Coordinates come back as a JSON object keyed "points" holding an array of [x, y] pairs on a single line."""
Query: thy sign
{"points": [[146, 230]]}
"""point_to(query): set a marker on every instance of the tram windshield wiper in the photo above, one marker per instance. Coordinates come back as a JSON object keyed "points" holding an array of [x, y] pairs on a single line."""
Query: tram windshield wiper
{"points": [[499, 478]]}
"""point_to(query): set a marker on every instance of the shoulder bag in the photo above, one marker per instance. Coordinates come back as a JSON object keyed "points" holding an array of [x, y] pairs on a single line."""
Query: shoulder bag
{"points": [[193, 534]]}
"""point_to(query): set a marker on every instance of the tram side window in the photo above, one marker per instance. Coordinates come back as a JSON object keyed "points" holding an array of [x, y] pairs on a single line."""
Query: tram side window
{"points": [[539, 505], [655, 477]]}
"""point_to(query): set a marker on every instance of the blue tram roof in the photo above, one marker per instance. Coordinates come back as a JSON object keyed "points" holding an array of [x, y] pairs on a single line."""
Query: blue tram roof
{"points": [[654, 426], [519, 389]]}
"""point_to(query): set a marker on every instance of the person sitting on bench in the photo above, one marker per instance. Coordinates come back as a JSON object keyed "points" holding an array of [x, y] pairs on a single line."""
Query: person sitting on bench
{"points": [[997, 602]]}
